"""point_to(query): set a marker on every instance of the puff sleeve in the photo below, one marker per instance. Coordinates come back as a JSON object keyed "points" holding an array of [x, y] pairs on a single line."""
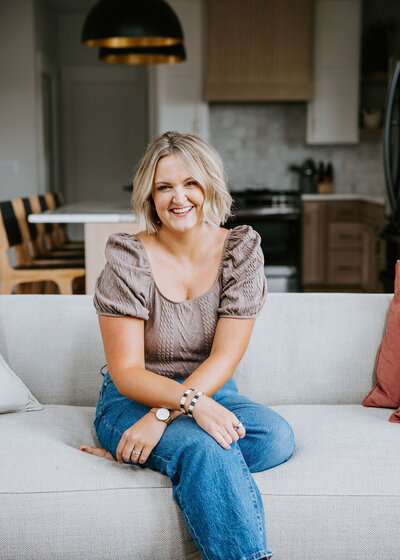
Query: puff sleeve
{"points": [[123, 285], [244, 287]]}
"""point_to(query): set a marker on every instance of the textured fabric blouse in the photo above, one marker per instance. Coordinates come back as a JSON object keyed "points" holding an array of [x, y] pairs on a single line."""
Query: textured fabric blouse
{"points": [[178, 335]]}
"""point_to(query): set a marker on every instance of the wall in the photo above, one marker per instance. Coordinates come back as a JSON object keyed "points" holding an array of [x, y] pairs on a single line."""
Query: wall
{"points": [[103, 118], [18, 138], [259, 142]]}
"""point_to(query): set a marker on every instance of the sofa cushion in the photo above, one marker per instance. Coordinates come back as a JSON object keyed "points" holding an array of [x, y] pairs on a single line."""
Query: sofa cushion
{"points": [[335, 496], [341, 450], [305, 348], [14, 395], [386, 392]]}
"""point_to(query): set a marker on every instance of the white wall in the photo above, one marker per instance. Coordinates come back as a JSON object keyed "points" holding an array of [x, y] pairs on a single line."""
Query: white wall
{"points": [[103, 118], [18, 139]]}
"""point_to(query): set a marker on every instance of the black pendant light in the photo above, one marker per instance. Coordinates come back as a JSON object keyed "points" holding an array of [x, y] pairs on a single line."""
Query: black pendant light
{"points": [[131, 23], [144, 55]]}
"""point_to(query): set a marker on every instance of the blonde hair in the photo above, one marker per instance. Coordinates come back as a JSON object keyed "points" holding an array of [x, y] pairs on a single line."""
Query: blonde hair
{"points": [[205, 166]]}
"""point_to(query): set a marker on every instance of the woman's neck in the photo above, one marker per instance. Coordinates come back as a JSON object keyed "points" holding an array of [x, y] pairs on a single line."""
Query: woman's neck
{"points": [[183, 245]]}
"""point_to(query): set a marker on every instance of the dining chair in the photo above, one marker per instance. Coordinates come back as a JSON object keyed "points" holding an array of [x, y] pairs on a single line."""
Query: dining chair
{"points": [[10, 238], [54, 200], [30, 235], [45, 240]]}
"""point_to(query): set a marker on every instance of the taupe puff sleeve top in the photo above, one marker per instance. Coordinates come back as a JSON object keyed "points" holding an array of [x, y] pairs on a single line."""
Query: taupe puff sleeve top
{"points": [[178, 335]]}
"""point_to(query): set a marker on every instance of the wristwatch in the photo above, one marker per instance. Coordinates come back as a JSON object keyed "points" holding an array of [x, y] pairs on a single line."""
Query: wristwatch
{"points": [[162, 414]]}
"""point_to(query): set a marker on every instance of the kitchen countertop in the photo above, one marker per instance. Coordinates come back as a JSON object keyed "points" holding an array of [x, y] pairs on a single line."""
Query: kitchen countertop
{"points": [[85, 212], [338, 196]]}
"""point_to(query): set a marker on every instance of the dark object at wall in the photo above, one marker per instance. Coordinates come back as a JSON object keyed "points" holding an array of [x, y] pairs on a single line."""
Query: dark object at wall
{"points": [[307, 176], [377, 45]]}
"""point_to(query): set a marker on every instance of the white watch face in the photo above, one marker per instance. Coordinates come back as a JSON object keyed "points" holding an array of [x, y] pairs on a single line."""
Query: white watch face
{"points": [[162, 414]]}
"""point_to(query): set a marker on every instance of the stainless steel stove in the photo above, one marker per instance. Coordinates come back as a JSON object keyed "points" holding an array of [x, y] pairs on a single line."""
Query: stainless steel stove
{"points": [[276, 216]]}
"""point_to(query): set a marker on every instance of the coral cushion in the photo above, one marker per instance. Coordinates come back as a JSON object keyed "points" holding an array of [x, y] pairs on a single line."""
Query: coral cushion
{"points": [[386, 392]]}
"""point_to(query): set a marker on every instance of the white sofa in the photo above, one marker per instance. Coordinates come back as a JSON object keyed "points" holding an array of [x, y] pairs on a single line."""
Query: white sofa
{"points": [[311, 358]]}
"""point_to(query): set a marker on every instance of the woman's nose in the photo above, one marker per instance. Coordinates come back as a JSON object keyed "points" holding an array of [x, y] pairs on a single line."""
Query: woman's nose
{"points": [[179, 196]]}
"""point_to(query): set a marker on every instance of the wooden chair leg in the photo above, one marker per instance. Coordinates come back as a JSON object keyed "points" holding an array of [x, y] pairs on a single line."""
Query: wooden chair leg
{"points": [[65, 286], [50, 287], [6, 286]]}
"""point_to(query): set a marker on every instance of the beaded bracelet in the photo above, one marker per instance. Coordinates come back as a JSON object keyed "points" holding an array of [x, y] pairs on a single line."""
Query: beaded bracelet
{"points": [[191, 406], [183, 399]]}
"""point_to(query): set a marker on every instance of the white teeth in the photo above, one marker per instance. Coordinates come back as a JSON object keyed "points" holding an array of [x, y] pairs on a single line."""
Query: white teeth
{"points": [[181, 210]]}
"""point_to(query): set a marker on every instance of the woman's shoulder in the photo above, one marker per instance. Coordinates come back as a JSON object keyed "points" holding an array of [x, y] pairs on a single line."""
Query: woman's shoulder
{"points": [[126, 249], [242, 242], [123, 286]]}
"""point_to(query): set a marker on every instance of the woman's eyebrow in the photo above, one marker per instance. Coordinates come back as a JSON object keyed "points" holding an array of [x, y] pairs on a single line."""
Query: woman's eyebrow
{"points": [[169, 183]]}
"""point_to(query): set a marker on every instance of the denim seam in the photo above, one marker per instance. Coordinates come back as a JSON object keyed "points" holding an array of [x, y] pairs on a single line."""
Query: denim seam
{"points": [[255, 556], [190, 526], [246, 473]]}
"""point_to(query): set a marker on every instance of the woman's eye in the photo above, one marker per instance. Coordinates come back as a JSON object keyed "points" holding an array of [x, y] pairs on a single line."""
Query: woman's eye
{"points": [[192, 183], [163, 187]]}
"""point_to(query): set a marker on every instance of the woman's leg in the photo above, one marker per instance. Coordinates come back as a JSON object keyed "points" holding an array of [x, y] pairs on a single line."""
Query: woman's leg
{"points": [[213, 486], [269, 439]]}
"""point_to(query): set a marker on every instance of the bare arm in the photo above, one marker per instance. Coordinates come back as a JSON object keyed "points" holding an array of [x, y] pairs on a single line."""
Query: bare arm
{"points": [[123, 340], [232, 336]]}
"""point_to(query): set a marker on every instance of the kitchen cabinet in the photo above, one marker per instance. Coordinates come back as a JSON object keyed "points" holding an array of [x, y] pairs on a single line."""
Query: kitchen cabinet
{"points": [[259, 51], [332, 117], [373, 246], [341, 247], [313, 243]]}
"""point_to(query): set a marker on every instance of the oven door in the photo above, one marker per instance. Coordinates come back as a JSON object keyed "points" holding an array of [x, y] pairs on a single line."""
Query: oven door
{"points": [[279, 230]]}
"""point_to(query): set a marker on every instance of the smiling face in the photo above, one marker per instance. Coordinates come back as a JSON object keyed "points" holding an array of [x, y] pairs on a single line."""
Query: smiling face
{"points": [[177, 197]]}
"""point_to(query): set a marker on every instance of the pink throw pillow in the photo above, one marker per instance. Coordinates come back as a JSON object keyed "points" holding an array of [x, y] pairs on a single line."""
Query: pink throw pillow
{"points": [[395, 416], [386, 392]]}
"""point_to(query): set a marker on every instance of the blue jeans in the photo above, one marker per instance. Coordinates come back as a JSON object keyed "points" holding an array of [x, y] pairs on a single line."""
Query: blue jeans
{"points": [[213, 487]]}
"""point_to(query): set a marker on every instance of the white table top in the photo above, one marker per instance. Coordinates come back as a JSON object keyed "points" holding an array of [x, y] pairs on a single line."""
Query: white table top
{"points": [[84, 212]]}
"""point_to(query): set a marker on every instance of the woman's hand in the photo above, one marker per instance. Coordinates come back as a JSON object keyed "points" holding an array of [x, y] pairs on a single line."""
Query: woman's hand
{"points": [[141, 437], [217, 421]]}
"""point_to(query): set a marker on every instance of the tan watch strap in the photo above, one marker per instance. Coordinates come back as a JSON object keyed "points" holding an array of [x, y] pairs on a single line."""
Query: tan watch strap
{"points": [[165, 421]]}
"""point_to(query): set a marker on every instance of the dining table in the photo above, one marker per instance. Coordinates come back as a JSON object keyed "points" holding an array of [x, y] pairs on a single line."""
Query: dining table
{"points": [[100, 220]]}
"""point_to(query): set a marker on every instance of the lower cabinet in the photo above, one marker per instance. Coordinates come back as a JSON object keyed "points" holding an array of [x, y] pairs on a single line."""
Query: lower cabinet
{"points": [[341, 247]]}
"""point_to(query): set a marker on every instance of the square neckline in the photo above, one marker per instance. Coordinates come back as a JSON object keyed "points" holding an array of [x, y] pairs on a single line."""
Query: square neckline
{"points": [[191, 299]]}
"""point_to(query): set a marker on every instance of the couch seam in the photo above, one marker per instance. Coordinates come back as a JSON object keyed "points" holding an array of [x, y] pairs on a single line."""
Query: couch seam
{"points": [[169, 488]]}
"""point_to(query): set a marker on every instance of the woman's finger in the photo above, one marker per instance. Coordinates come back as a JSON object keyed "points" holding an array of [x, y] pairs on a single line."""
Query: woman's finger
{"points": [[239, 428], [219, 438], [233, 433], [124, 449], [145, 454], [136, 454], [120, 449], [128, 450], [227, 436]]}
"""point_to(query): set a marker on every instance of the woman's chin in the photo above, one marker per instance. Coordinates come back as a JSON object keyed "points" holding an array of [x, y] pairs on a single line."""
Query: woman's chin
{"points": [[181, 225]]}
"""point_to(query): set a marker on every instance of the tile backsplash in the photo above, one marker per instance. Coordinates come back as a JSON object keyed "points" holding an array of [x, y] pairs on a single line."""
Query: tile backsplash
{"points": [[258, 142]]}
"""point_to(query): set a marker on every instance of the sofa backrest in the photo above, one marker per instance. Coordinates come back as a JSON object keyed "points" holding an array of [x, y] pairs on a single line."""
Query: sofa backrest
{"points": [[305, 348]]}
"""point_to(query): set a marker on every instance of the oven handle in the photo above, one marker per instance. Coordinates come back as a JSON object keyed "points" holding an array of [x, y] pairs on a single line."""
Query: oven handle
{"points": [[254, 212]]}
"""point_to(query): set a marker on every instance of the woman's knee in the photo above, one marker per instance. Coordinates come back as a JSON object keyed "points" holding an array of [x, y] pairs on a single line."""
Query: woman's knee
{"points": [[274, 446]]}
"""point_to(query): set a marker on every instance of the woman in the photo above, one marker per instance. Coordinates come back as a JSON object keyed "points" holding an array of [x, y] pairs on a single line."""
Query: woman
{"points": [[177, 304]]}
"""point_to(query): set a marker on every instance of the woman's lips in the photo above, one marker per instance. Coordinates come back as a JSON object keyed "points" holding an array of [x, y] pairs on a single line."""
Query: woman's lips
{"points": [[181, 211]]}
